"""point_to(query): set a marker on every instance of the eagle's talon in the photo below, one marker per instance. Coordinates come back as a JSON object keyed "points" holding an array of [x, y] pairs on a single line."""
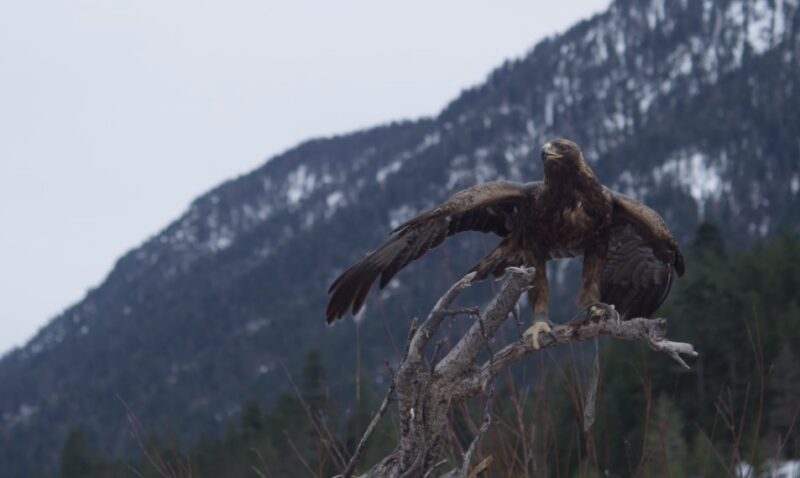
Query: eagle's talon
{"points": [[597, 309], [540, 326]]}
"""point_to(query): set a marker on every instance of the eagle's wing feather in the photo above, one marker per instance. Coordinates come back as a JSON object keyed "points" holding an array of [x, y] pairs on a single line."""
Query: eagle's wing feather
{"points": [[487, 207], [643, 258]]}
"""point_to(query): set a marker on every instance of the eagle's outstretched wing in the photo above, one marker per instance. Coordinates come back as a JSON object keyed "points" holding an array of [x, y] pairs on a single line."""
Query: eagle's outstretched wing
{"points": [[643, 257], [487, 207]]}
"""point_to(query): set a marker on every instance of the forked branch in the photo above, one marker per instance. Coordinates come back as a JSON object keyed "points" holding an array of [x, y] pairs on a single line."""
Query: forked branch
{"points": [[426, 395]]}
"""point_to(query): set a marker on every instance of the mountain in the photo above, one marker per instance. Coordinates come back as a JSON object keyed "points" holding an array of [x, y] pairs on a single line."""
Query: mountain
{"points": [[690, 106]]}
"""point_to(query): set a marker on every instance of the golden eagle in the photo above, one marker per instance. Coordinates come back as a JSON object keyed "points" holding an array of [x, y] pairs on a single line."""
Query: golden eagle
{"points": [[629, 255]]}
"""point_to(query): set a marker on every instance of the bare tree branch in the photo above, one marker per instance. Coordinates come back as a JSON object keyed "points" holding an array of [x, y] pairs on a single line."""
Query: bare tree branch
{"points": [[649, 331], [426, 394], [487, 420], [464, 352], [431, 325], [351, 465]]}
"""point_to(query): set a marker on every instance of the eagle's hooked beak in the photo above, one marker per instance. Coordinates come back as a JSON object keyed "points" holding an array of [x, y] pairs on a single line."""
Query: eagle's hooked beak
{"points": [[549, 152]]}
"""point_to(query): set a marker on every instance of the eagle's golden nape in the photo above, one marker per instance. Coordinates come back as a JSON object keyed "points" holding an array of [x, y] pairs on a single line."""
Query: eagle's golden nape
{"points": [[630, 256]]}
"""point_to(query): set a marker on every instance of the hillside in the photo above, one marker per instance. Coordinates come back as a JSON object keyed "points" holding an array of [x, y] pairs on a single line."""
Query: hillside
{"points": [[692, 107], [741, 308]]}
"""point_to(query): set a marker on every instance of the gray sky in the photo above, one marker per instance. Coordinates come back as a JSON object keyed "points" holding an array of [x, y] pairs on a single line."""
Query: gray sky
{"points": [[114, 115]]}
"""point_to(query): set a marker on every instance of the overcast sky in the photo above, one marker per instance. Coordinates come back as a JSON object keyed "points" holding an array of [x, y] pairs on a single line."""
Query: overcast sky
{"points": [[115, 114]]}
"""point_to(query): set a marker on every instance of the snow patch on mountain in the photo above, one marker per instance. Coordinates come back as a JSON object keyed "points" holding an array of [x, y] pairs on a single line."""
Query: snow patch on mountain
{"points": [[401, 214], [697, 173], [394, 166], [390, 168], [301, 184], [334, 199], [631, 185], [24, 412], [466, 171]]}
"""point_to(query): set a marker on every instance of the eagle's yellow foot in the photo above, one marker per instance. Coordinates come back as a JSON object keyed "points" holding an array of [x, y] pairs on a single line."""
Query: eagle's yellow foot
{"points": [[540, 326]]}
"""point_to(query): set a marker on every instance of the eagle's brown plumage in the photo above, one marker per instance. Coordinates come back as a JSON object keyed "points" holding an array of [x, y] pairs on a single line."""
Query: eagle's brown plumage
{"points": [[630, 257]]}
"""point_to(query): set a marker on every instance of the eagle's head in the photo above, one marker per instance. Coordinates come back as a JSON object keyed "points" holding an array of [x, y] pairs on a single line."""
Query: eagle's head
{"points": [[562, 156], [561, 151]]}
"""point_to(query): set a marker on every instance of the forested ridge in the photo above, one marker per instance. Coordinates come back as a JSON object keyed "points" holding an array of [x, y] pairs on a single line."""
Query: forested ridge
{"points": [[740, 401]]}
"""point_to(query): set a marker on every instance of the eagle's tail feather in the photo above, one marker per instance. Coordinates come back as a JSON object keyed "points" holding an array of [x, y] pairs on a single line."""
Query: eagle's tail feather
{"points": [[638, 301]]}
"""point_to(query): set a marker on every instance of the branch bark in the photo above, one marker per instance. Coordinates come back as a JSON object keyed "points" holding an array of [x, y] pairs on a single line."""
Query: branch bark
{"points": [[426, 395]]}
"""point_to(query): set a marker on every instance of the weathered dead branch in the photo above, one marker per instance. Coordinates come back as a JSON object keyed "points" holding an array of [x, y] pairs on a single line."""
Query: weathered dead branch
{"points": [[426, 395]]}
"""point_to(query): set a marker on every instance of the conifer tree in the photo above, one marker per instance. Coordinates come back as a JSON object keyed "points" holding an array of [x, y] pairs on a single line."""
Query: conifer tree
{"points": [[76, 459]]}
